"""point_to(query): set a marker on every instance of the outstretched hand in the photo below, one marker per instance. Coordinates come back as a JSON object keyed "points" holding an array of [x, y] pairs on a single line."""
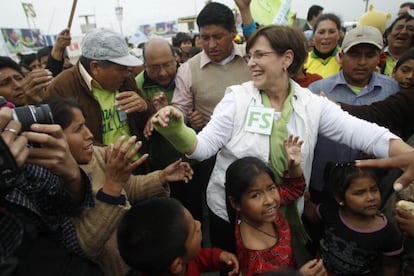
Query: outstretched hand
{"points": [[162, 117], [403, 161], [177, 171], [119, 164]]}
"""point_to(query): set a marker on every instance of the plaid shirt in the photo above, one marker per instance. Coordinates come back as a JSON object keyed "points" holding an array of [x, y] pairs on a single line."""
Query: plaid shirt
{"points": [[40, 200]]}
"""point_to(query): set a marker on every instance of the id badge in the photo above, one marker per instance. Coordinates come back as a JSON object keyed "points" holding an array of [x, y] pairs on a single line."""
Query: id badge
{"points": [[259, 120]]}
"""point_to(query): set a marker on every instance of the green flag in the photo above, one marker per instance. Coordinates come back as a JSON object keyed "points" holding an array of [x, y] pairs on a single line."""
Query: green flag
{"points": [[29, 10]]}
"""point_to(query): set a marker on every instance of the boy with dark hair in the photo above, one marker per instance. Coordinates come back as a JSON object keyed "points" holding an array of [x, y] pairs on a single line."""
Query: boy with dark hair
{"points": [[159, 236]]}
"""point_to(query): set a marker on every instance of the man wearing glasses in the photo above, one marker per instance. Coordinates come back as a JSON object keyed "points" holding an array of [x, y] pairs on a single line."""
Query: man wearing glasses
{"points": [[157, 83]]}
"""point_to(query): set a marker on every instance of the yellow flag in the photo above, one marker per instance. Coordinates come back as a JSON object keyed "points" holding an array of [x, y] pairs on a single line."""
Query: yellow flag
{"points": [[267, 12]]}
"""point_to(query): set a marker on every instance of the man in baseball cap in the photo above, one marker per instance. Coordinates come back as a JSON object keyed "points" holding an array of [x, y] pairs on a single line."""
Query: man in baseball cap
{"points": [[362, 35], [357, 83], [103, 44], [103, 83]]}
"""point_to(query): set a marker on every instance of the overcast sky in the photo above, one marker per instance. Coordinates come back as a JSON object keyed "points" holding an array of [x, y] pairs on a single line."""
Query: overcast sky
{"points": [[52, 15]]}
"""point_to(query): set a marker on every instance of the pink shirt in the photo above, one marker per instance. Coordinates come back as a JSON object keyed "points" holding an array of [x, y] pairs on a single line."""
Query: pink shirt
{"points": [[183, 94]]}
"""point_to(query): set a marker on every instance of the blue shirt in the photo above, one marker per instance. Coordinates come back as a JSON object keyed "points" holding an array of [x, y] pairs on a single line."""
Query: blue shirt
{"points": [[336, 87]]}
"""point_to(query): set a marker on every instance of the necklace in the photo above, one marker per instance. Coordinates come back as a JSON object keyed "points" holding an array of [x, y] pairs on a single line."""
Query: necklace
{"points": [[258, 229]]}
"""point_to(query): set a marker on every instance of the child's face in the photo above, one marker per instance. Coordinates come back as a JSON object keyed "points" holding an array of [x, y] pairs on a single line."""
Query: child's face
{"points": [[261, 201], [193, 242], [363, 197], [404, 75], [186, 46]]}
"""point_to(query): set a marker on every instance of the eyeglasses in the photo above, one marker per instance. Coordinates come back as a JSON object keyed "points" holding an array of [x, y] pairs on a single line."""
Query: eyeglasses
{"points": [[257, 56], [156, 68]]}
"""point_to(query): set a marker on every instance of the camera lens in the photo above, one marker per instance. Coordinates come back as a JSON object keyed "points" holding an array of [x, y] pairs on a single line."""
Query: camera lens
{"points": [[30, 114]]}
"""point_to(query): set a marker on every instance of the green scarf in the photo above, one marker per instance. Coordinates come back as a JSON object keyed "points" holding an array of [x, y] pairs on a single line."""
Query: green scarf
{"points": [[278, 160]]}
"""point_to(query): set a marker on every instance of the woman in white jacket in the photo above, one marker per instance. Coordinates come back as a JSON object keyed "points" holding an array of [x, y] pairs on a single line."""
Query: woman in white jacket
{"points": [[254, 118]]}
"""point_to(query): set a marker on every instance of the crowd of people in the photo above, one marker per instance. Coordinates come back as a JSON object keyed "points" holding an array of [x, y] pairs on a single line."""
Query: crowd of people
{"points": [[110, 166]]}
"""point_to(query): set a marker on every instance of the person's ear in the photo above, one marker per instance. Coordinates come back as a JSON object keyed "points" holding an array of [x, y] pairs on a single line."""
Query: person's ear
{"points": [[177, 266], [288, 57], [93, 67], [233, 32], [234, 204], [339, 57], [394, 70]]}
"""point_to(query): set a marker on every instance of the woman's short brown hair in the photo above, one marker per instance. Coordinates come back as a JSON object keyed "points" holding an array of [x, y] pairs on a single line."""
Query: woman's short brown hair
{"points": [[281, 39]]}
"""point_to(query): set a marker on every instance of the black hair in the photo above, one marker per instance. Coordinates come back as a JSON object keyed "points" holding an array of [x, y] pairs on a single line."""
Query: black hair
{"points": [[194, 39], [86, 63], [407, 56], [281, 39], [407, 4], [405, 16], [178, 51], [44, 52], [338, 177], [216, 14], [328, 16], [61, 110], [182, 37], [314, 10], [240, 175], [7, 62], [26, 60], [152, 234]]}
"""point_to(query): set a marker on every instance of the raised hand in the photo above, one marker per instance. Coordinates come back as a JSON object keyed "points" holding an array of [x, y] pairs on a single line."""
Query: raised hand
{"points": [[119, 164], [293, 150], [242, 4], [293, 155], [35, 85], [245, 12], [63, 40]]}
